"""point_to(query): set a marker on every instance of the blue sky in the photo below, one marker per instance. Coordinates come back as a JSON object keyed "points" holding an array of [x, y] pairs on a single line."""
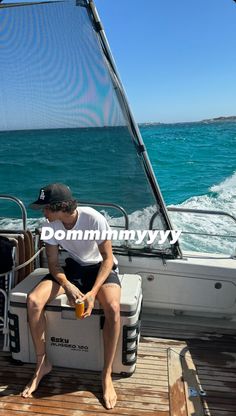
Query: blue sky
{"points": [[176, 59]]}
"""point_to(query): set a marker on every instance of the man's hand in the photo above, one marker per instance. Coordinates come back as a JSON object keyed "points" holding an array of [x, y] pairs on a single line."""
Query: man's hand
{"points": [[89, 300], [72, 292]]}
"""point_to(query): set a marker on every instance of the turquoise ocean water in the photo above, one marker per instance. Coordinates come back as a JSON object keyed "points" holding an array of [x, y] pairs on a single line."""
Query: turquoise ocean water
{"points": [[195, 165]]}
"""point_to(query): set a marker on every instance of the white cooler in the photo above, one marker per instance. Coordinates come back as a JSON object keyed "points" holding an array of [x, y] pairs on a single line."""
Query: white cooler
{"points": [[72, 342]]}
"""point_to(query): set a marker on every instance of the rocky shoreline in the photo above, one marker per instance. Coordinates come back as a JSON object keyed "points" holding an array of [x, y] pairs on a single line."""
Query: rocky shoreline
{"points": [[222, 118]]}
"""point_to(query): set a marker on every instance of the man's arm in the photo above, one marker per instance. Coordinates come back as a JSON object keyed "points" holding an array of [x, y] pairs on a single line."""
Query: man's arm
{"points": [[53, 264], [105, 249], [57, 272]]}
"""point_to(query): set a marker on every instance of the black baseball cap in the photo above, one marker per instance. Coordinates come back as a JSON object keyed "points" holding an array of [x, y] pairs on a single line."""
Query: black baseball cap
{"points": [[55, 192]]}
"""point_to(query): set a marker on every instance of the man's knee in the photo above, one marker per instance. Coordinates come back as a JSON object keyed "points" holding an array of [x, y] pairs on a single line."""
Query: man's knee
{"points": [[112, 311], [35, 302]]}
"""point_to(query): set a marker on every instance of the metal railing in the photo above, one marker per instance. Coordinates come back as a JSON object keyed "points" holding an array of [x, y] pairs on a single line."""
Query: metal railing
{"points": [[21, 205], [126, 218], [197, 211], [109, 205]]}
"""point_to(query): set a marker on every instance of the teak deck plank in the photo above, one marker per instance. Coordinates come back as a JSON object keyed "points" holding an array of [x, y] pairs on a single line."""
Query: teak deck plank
{"points": [[78, 392], [178, 405], [191, 381], [213, 356], [166, 368]]}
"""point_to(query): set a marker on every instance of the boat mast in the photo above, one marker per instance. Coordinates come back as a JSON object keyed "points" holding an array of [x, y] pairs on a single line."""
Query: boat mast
{"points": [[132, 125]]}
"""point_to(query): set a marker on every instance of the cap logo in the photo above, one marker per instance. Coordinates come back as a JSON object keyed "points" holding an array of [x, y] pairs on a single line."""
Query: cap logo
{"points": [[42, 195]]}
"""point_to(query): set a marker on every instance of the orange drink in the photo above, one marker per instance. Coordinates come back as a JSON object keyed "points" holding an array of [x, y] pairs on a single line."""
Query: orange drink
{"points": [[79, 308]]}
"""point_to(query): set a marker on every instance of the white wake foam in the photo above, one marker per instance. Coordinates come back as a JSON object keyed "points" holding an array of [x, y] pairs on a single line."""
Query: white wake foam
{"points": [[16, 224], [229, 184], [221, 197]]}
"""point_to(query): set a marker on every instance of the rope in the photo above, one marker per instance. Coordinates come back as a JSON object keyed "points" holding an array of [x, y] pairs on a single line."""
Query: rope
{"points": [[20, 266]]}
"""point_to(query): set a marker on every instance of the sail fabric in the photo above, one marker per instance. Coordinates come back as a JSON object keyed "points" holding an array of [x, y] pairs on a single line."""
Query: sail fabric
{"points": [[58, 96], [51, 71]]}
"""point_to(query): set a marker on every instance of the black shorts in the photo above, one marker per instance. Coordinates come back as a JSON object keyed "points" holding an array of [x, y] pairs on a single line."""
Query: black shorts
{"points": [[83, 277]]}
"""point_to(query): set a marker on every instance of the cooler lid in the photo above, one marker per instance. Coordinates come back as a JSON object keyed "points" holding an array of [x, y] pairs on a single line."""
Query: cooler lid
{"points": [[130, 295], [19, 292], [130, 292]]}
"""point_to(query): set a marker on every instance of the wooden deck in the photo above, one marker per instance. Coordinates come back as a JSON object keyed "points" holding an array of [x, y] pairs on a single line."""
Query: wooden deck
{"points": [[169, 376]]}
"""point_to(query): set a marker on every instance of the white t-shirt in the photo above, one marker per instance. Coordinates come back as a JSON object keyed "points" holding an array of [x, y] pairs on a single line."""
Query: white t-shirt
{"points": [[85, 252]]}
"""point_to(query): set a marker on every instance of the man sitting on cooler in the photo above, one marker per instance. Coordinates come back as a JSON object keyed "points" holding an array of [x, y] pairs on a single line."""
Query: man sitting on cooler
{"points": [[89, 273]]}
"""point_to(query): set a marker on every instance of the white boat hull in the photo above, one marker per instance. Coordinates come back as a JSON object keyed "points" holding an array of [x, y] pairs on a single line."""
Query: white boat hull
{"points": [[199, 284]]}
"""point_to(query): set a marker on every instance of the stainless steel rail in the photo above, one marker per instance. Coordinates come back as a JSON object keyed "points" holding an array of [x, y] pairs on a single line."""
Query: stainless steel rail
{"points": [[20, 204], [108, 205], [197, 211], [202, 211]]}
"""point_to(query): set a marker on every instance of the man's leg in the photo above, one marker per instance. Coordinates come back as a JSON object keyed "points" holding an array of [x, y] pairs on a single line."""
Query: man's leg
{"points": [[37, 299], [109, 297]]}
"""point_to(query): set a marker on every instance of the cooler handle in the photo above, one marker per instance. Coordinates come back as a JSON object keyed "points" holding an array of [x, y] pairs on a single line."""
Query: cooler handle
{"points": [[126, 351], [14, 333]]}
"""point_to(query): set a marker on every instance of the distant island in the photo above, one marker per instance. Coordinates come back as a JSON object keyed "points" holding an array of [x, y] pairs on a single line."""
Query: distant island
{"points": [[222, 118], [207, 120]]}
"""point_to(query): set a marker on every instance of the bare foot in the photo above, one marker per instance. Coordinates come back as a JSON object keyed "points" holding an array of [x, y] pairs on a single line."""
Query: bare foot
{"points": [[43, 367], [109, 394]]}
